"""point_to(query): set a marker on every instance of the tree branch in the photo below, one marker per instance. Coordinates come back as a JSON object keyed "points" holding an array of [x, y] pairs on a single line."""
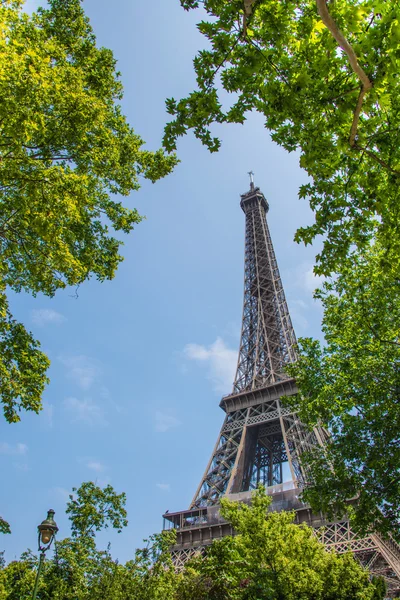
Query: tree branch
{"points": [[356, 117], [269, 61], [39, 157], [343, 43], [222, 63], [375, 157], [351, 55], [247, 13]]}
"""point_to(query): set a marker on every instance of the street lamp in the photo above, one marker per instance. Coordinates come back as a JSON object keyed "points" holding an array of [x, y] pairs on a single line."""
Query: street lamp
{"points": [[46, 534]]}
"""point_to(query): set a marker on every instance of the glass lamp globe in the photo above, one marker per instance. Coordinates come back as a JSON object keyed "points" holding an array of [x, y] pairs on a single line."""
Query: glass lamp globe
{"points": [[45, 536], [48, 528]]}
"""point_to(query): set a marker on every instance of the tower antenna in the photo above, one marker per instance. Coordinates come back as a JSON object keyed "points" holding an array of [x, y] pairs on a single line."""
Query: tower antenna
{"points": [[251, 174]]}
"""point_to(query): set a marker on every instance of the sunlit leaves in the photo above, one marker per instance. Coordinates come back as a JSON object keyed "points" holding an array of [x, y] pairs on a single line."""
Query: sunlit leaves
{"points": [[271, 557], [66, 149], [22, 366], [352, 385], [79, 570], [289, 68], [92, 508], [4, 526]]}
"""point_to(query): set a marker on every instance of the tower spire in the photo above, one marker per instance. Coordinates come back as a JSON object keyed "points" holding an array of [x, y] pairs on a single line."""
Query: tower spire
{"points": [[268, 340], [251, 175]]}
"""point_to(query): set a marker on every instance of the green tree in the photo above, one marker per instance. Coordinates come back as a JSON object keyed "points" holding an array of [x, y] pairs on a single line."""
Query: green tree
{"points": [[93, 509], [80, 571], [78, 565], [18, 578], [271, 558], [3, 591], [327, 86], [4, 526], [351, 385], [66, 151], [152, 575], [324, 75]]}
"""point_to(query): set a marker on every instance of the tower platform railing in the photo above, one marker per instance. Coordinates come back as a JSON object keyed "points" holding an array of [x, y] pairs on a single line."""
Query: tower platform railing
{"points": [[285, 496]]}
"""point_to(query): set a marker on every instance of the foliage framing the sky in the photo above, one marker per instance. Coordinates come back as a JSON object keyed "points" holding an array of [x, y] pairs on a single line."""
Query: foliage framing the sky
{"points": [[66, 152], [351, 385], [282, 61]]}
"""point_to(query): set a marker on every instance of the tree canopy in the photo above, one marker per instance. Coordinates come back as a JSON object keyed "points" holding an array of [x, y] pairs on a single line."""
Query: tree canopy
{"points": [[351, 385], [270, 558], [66, 153], [325, 77], [281, 59]]}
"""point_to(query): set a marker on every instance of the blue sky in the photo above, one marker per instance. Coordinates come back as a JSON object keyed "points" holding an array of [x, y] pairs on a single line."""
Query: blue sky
{"points": [[139, 364]]}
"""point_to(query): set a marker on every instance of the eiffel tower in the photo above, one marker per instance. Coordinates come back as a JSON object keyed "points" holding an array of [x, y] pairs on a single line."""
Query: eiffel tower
{"points": [[261, 440]]}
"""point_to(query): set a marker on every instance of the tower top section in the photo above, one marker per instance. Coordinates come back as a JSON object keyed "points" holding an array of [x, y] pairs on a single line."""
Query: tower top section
{"points": [[253, 197], [268, 342]]}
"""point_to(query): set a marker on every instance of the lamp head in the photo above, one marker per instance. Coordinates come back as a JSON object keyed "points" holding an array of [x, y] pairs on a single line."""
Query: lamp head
{"points": [[47, 530]]}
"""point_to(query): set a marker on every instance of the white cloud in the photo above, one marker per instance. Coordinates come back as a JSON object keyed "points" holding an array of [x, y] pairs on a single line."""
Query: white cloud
{"points": [[95, 465], [300, 323], [220, 360], [92, 464], [310, 280], [302, 281], [165, 487], [298, 309], [85, 411], [163, 422], [105, 394], [81, 369], [45, 316], [197, 352], [16, 450], [299, 303], [22, 467]]}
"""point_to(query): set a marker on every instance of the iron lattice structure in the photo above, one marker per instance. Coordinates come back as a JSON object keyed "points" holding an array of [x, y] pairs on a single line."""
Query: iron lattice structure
{"points": [[268, 341], [262, 439]]}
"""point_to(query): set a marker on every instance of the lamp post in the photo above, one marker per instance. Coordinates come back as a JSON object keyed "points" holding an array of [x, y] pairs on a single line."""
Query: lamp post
{"points": [[46, 533]]}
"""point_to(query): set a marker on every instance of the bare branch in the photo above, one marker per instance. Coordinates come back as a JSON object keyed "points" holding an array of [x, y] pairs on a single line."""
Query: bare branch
{"points": [[356, 118], [343, 43], [248, 4], [248, 7], [351, 55], [375, 157], [222, 63]]}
